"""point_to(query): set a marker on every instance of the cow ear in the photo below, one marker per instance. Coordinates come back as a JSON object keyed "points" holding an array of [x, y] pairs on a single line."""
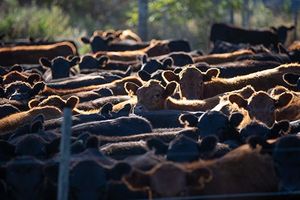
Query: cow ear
{"points": [[72, 102], [33, 103], [168, 62], [208, 143], [51, 172], [273, 29], [53, 147], [74, 61], [170, 88], [284, 99], [282, 49], [37, 123], [169, 76], [106, 109], [177, 70], [137, 179], [126, 110], [143, 58], [105, 92], [291, 28], [38, 87], [199, 177], [247, 91], [131, 88], [128, 71], [17, 68], [33, 78], [45, 62], [236, 118], [213, 72], [2, 92], [145, 76], [77, 147], [291, 79], [118, 33], [239, 100], [102, 60], [85, 40], [109, 39], [119, 170], [188, 120], [36, 127], [282, 125], [278, 129], [157, 144], [92, 142]]}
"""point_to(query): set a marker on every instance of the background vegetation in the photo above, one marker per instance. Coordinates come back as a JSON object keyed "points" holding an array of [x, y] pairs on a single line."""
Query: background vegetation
{"points": [[189, 19]]}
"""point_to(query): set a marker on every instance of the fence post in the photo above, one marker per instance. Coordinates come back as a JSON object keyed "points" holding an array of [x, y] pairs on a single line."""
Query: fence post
{"points": [[63, 179], [143, 19]]}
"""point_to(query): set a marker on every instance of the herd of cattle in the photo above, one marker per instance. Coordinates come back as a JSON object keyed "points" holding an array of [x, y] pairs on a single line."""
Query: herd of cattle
{"points": [[153, 119]]}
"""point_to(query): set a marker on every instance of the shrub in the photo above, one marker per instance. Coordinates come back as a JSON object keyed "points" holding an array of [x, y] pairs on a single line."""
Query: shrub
{"points": [[34, 21]]}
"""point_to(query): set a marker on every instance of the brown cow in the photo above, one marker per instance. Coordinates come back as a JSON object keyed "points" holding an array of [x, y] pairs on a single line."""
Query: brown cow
{"points": [[58, 102], [232, 174], [222, 57], [156, 48], [291, 111], [119, 35], [14, 76], [191, 80], [263, 80], [32, 54], [117, 87], [154, 96], [261, 106], [13, 121]]}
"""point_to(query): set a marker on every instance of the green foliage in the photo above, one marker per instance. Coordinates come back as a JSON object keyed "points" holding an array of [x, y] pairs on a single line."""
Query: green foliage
{"points": [[188, 19], [34, 21]]}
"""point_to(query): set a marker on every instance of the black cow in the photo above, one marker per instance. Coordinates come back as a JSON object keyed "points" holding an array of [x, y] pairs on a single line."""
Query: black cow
{"points": [[24, 178], [121, 126], [215, 123], [224, 32], [286, 156]]}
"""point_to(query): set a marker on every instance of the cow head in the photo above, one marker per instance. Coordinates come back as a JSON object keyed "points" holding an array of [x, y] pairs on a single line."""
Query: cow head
{"points": [[261, 106], [97, 42], [259, 129], [152, 95], [183, 149], [8, 109], [24, 178], [160, 180], [60, 66], [88, 179], [214, 123], [22, 91], [282, 32], [89, 62], [55, 101], [191, 81], [286, 155], [35, 145], [152, 65], [19, 76]]}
